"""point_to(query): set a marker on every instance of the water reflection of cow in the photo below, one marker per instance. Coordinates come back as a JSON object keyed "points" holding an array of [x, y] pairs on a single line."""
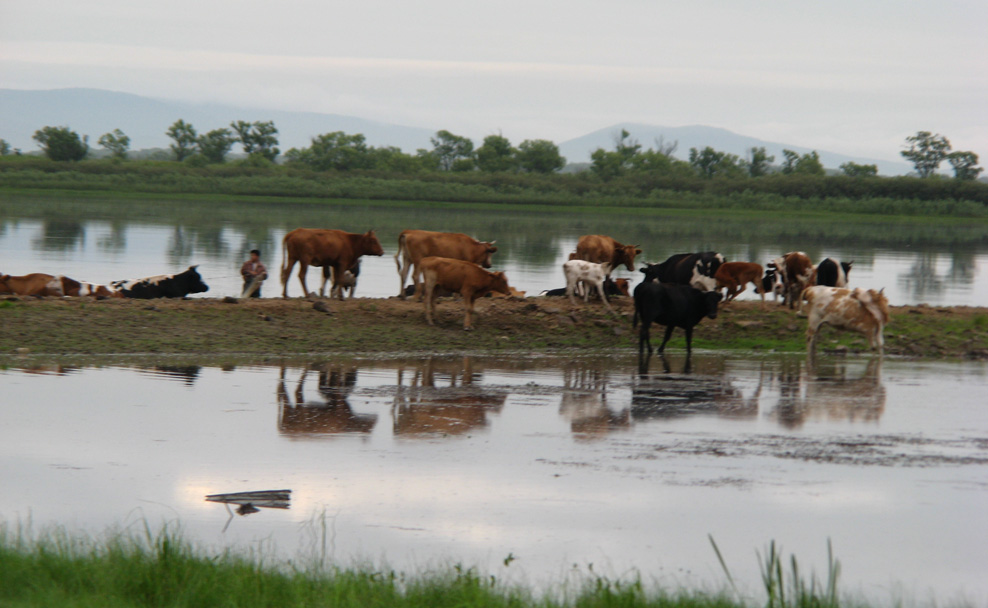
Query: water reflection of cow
{"points": [[442, 399], [711, 392], [826, 391], [330, 416], [584, 403]]}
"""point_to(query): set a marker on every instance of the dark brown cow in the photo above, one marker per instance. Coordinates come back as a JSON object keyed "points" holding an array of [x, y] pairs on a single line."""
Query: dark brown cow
{"points": [[797, 273], [598, 249], [468, 279], [34, 284], [330, 249], [413, 245], [735, 276]]}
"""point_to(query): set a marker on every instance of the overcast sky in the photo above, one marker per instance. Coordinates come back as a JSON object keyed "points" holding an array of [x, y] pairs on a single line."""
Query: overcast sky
{"points": [[853, 76]]}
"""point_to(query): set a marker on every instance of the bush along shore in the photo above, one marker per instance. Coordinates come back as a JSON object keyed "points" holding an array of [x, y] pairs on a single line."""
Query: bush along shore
{"points": [[59, 327]]}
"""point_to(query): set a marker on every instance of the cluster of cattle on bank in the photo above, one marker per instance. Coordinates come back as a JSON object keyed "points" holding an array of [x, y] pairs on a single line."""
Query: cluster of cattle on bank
{"points": [[678, 292]]}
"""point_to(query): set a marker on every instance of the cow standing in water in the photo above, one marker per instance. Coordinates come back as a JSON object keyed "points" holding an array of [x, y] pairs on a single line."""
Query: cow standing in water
{"points": [[673, 306], [414, 245], [333, 250], [860, 310]]}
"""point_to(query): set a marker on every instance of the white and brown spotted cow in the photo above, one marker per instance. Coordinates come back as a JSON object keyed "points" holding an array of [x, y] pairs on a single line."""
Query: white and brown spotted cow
{"points": [[865, 311]]}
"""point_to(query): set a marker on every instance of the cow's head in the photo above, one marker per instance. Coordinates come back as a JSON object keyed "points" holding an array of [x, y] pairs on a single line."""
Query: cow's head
{"points": [[847, 267], [499, 283], [710, 301], [622, 286], [191, 281], [702, 280], [372, 246], [626, 256], [651, 271], [489, 250]]}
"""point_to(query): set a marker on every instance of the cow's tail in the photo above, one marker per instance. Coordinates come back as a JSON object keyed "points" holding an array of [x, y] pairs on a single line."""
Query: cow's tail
{"points": [[284, 261], [401, 251], [804, 296]]}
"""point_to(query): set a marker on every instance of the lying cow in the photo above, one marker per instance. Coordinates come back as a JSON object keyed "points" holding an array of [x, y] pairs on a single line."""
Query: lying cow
{"points": [[832, 273], [695, 269], [590, 275], [612, 288], [672, 306], [466, 278], [735, 276], [860, 310], [35, 284], [72, 288], [162, 286]]}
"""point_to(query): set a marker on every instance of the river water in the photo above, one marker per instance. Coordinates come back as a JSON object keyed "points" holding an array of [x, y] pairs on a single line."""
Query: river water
{"points": [[561, 467], [101, 241]]}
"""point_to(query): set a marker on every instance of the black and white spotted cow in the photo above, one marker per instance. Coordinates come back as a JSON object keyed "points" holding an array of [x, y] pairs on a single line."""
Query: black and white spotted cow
{"points": [[832, 273], [693, 269], [163, 286]]}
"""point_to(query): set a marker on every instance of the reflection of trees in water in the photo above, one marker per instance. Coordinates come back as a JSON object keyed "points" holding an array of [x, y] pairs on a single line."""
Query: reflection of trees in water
{"points": [[60, 235], [187, 241], [921, 280], [116, 240], [963, 267], [261, 237]]}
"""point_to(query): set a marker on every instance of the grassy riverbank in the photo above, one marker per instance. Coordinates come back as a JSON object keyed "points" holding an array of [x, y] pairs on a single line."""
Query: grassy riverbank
{"points": [[50, 328]]}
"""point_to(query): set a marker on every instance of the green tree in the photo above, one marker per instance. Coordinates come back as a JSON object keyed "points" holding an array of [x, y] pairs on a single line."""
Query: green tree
{"points": [[496, 154], [216, 144], [853, 169], [539, 156], [185, 137], [337, 151], [965, 164], [807, 164], [758, 162], [4, 147], [116, 142], [608, 165], [926, 151], [452, 152], [259, 137], [394, 160], [62, 143], [709, 163]]}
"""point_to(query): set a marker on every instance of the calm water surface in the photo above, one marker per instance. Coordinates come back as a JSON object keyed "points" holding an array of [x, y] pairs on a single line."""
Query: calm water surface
{"points": [[103, 241], [568, 465]]}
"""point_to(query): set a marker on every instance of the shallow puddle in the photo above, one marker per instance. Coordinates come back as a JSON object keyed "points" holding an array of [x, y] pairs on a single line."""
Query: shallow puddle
{"points": [[531, 468]]}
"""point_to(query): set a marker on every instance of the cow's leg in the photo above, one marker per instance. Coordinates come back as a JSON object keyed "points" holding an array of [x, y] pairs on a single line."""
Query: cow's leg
{"points": [[603, 296], [417, 281], [812, 332], [303, 269], [689, 342], [644, 339], [759, 289], [325, 279], [571, 284], [668, 335], [468, 300], [286, 274], [430, 302], [403, 274], [337, 289]]}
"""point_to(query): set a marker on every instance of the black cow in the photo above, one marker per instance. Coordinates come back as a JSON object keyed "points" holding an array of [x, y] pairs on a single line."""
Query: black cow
{"points": [[163, 286], [672, 306], [695, 269], [832, 273]]}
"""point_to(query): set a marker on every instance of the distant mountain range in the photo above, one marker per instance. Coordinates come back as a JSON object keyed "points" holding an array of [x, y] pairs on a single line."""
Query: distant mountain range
{"points": [[94, 112]]}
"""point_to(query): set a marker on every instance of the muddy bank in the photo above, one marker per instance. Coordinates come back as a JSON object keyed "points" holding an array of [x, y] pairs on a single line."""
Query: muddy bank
{"points": [[391, 326]]}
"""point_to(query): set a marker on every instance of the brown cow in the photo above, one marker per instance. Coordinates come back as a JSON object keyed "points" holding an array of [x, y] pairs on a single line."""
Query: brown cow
{"points": [[598, 249], [413, 245], [73, 288], [334, 250], [735, 276], [34, 284], [797, 273], [468, 279]]}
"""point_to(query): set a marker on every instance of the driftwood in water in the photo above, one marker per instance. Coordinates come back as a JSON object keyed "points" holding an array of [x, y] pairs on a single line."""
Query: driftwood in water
{"points": [[268, 499]]}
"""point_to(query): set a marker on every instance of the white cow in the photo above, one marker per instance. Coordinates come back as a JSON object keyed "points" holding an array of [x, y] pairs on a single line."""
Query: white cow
{"points": [[862, 310], [588, 273]]}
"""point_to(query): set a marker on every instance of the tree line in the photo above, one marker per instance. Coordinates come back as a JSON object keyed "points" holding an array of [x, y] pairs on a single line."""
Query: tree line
{"points": [[340, 151]]}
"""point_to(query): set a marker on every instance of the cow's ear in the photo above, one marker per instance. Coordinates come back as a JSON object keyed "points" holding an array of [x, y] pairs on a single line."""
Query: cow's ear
{"points": [[881, 291], [492, 242], [638, 250]]}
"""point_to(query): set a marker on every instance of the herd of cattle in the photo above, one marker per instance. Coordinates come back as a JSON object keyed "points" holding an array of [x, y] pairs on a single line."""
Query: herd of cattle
{"points": [[678, 292]]}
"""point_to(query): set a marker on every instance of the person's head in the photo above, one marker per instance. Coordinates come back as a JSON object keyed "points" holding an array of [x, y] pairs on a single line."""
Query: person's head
{"points": [[255, 255]]}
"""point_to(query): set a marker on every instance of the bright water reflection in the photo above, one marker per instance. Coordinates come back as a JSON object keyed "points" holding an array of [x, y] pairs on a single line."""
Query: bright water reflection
{"points": [[559, 462], [105, 241]]}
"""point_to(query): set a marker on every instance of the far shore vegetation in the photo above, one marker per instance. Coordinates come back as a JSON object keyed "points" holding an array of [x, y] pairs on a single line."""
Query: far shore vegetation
{"points": [[342, 166]]}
